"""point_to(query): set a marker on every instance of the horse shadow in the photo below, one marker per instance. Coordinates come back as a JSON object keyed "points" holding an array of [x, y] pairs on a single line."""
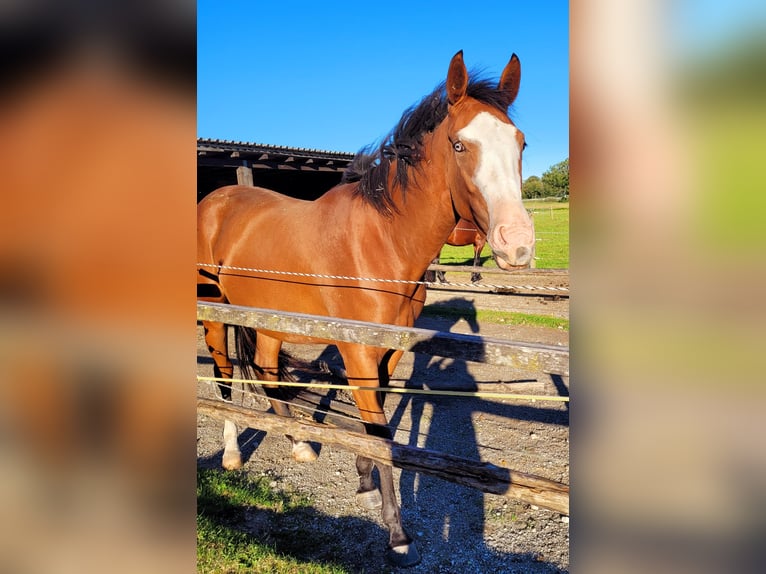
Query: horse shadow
{"points": [[446, 424]]}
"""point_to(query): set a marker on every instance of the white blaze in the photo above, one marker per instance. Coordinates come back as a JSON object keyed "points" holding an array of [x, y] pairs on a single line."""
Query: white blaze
{"points": [[497, 173], [497, 176]]}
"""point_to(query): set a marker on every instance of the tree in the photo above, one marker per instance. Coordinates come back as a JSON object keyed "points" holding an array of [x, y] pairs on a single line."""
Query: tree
{"points": [[532, 187], [556, 180]]}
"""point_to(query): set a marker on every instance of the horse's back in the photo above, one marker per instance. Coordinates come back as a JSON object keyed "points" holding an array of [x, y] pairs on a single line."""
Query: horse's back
{"points": [[218, 207], [224, 217], [229, 213], [256, 228]]}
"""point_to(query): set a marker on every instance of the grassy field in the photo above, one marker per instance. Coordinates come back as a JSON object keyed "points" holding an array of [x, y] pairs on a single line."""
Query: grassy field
{"points": [[551, 220], [223, 502], [500, 317]]}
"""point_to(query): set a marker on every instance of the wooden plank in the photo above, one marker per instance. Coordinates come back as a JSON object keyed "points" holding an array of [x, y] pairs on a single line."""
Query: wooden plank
{"points": [[245, 175], [474, 474], [547, 273], [525, 356]]}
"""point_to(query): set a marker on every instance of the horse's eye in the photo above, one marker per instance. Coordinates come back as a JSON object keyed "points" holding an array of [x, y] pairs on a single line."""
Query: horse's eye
{"points": [[459, 147]]}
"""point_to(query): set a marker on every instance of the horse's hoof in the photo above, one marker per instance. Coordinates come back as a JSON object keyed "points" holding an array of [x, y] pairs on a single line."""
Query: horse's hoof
{"points": [[232, 461], [303, 452], [403, 556], [369, 500]]}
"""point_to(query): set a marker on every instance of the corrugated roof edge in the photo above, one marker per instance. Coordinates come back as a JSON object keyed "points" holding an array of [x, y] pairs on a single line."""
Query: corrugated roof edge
{"points": [[266, 148]]}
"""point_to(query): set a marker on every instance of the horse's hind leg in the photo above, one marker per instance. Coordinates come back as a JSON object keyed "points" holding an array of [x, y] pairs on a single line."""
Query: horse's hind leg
{"points": [[478, 246], [438, 275], [216, 338], [267, 365]]}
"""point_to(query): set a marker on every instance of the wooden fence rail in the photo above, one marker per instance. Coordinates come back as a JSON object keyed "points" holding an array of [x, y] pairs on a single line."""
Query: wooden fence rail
{"points": [[475, 474], [548, 273], [525, 356]]}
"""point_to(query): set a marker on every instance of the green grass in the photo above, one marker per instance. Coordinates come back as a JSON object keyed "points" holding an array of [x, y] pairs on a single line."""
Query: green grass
{"points": [[221, 492], [552, 232], [551, 219], [498, 317], [223, 545]]}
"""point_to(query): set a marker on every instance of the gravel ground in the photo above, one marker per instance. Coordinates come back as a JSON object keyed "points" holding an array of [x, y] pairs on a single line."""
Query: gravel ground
{"points": [[457, 529]]}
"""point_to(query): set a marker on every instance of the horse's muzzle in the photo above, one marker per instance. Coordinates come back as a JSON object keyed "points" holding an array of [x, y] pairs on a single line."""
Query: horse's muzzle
{"points": [[513, 245], [523, 259]]}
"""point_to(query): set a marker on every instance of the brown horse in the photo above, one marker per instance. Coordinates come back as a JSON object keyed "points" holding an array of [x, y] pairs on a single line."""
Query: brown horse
{"points": [[466, 233], [456, 154]]}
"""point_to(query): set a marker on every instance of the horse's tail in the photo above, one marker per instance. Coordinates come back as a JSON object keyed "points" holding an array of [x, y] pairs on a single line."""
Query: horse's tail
{"points": [[245, 345], [245, 338]]}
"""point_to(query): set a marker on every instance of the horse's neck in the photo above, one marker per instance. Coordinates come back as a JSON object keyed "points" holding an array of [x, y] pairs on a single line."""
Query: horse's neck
{"points": [[425, 215]]}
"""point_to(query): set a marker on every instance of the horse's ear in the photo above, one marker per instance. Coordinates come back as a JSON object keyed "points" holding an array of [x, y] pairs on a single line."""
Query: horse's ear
{"points": [[457, 79], [509, 81]]}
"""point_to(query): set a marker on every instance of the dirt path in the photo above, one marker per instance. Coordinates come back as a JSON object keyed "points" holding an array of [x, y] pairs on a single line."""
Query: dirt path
{"points": [[535, 304], [457, 529]]}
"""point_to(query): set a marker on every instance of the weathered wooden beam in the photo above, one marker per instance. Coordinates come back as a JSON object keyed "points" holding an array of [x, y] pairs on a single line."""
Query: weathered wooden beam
{"points": [[524, 356], [265, 164], [474, 474], [497, 271], [244, 175]]}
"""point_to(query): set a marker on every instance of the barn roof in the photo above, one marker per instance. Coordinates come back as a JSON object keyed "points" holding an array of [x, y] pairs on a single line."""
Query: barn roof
{"points": [[226, 153]]}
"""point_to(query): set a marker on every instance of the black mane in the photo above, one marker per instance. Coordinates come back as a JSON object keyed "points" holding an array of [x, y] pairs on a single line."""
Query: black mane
{"points": [[404, 144]]}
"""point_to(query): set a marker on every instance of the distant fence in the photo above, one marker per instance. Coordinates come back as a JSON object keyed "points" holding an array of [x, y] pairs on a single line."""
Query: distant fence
{"points": [[545, 282], [483, 476]]}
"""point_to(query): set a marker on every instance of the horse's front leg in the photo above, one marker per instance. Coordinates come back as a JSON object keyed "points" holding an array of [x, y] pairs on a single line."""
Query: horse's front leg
{"points": [[362, 367], [368, 495]]}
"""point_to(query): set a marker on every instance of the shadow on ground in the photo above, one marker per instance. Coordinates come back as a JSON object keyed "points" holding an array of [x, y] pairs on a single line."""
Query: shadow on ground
{"points": [[355, 544]]}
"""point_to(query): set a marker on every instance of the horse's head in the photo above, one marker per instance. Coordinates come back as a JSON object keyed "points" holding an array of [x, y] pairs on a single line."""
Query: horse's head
{"points": [[485, 174]]}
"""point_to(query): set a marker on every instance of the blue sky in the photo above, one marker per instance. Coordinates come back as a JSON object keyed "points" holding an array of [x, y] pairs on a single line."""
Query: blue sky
{"points": [[338, 75]]}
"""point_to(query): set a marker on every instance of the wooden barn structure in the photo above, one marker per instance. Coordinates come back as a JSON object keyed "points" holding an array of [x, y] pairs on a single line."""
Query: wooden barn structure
{"points": [[298, 172]]}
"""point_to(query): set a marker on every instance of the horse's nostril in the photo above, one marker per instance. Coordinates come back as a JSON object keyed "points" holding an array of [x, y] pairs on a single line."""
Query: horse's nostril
{"points": [[522, 254]]}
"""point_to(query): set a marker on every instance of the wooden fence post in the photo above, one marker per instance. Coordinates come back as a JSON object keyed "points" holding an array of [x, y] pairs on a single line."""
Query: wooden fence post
{"points": [[245, 175]]}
